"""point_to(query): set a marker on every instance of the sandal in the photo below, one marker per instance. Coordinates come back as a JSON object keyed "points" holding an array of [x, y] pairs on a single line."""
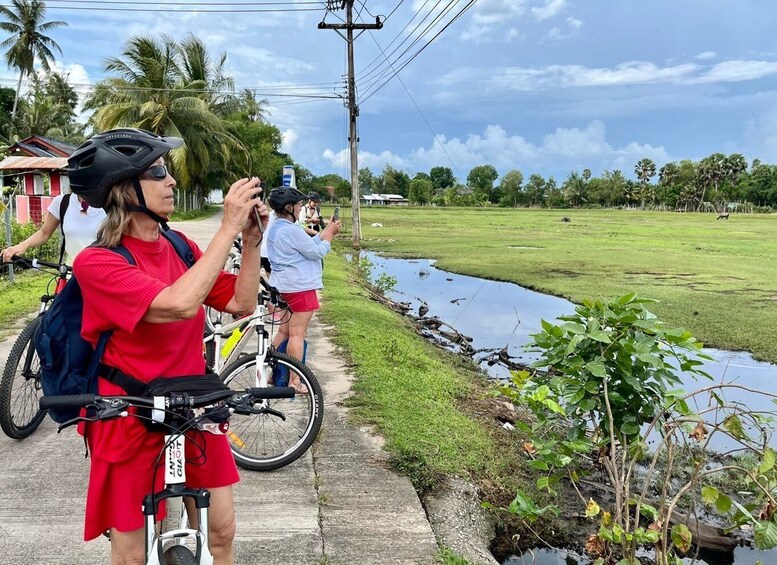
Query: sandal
{"points": [[299, 388]]}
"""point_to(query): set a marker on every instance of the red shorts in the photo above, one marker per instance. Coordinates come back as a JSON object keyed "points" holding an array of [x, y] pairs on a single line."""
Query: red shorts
{"points": [[304, 301], [116, 490]]}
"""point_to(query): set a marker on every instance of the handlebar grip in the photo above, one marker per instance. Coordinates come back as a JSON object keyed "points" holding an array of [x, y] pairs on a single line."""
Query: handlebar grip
{"points": [[79, 400], [273, 392]]}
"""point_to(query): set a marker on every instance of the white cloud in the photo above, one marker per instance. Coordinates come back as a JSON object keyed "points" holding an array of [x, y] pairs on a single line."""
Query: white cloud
{"points": [[706, 55], [374, 161], [574, 22], [290, 137], [522, 79], [735, 71], [527, 79], [563, 148], [573, 27], [550, 9], [760, 135], [492, 21], [574, 142]]}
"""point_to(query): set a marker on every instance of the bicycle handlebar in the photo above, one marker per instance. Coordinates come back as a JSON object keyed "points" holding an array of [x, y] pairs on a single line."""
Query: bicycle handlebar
{"points": [[38, 263], [234, 398]]}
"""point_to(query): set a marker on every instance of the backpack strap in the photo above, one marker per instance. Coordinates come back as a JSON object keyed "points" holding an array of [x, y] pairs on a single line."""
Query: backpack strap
{"points": [[131, 385], [181, 247], [63, 204]]}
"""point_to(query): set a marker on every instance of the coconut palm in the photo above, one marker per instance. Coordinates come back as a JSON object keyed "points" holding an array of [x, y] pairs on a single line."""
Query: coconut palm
{"points": [[159, 89], [27, 42], [574, 189]]}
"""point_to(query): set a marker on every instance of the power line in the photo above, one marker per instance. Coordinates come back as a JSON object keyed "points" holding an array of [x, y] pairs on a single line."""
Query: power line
{"points": [[382, 72], [406, 63], [398, 35], [434, 133], [257, 90], [183, 9], [186, 3]]}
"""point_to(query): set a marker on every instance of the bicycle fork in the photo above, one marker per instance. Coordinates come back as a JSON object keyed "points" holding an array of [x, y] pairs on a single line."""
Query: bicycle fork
{"points": [[175, 486]]}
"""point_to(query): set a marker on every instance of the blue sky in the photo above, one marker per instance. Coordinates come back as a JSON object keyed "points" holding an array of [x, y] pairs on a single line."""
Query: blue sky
{"points": [[542, 86]]}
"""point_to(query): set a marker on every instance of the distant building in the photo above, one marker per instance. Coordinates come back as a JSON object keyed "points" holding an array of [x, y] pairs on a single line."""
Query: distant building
{"points": [[384, 200], [36, 159]]}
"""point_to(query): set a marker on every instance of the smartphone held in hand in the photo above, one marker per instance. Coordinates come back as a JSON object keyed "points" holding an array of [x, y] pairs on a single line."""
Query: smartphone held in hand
{"points": [[263, 185], [336, 215]]}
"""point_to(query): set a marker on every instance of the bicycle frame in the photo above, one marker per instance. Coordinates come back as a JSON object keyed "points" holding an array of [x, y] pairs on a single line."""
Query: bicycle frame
{"points": [[244, 325], [175, 487]]}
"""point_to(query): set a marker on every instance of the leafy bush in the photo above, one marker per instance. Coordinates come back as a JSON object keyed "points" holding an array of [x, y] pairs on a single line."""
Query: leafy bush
{"points": [[49, 251], [610, 367]]}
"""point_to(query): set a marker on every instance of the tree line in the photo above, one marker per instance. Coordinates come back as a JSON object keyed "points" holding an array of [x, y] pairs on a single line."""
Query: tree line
{"points": [[717, 182]]}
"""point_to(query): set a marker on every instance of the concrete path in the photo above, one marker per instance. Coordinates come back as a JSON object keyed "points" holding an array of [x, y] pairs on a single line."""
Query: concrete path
{"points": [[338, 504]]}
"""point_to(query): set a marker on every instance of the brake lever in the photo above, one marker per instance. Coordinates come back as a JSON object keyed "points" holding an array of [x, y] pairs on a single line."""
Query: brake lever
{"points": [[246, 408], [75, 421], [101, 413]]}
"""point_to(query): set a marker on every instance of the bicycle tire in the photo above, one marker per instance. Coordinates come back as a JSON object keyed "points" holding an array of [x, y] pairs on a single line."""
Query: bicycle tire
{"points": [[264, 442], [20, 390], [179, 555]]}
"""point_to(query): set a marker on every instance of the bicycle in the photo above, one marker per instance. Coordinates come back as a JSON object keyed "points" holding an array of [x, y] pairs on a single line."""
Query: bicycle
{"points": [[231, 265], [180, 415], [267, 441], [20, 388]]}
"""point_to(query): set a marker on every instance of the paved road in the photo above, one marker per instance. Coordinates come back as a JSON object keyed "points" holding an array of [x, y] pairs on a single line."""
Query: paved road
{"points": [[337, 504]]}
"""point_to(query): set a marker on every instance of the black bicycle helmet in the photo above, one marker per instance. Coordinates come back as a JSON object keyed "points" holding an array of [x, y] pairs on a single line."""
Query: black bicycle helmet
{"points": [[283, 195], [114, 156], [313, 195]]}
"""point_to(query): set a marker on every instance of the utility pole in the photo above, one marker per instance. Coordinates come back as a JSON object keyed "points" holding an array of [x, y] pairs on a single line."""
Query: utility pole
{"points": [[353, 109]]}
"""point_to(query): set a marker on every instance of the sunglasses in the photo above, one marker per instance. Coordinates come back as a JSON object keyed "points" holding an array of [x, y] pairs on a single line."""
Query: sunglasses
{"points": [[158, 172]]}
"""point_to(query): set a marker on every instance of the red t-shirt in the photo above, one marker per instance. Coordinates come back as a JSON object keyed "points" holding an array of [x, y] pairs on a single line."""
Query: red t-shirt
{"points": [[116, 297]]}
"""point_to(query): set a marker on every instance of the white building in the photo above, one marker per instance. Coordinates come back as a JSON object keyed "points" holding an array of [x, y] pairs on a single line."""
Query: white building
{"points": [[384, 200]]}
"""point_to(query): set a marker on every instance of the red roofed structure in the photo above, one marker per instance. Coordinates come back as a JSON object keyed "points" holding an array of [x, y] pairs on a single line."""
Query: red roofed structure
{"points": [[34, 159]]}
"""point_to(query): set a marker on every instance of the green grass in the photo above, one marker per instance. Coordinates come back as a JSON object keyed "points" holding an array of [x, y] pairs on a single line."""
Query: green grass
{"points": [[206, 212], [715, 278], [21, 297], [412, 391]]}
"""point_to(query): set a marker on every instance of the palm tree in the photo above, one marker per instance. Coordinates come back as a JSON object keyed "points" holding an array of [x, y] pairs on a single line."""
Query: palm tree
{"points": [[24, 21], [256, 110], [575, 189], [645, 169], [711, 172], [160, 89]]}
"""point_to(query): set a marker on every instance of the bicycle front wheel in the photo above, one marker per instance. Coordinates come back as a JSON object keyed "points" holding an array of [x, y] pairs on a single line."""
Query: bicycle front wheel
{"points": [[179, 555], [20, 388], [263, 442]]}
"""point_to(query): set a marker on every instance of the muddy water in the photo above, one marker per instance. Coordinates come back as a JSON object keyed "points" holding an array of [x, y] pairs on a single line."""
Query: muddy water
{"points": [[497, 314]]}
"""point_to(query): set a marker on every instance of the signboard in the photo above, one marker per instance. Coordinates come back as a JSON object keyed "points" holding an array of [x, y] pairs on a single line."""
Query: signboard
{"points": [[288, 176]]}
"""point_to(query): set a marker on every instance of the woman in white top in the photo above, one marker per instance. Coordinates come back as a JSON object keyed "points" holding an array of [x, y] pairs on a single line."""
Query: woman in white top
{"points": [[79, 228]]}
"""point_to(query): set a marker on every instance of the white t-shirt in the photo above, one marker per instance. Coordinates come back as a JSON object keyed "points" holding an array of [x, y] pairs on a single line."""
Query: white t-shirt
{"points": [[80, 229]]}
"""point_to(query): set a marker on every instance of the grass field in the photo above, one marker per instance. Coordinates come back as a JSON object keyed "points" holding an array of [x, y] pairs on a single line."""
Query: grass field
{"points": [[715, 278]]}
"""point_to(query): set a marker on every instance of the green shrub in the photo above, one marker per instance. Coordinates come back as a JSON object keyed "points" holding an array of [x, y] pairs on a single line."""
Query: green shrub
{"points": [[49, 251]]}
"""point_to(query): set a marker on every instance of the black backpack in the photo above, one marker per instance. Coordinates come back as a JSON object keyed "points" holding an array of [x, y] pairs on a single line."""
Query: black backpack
{"points": [[68, 363]]}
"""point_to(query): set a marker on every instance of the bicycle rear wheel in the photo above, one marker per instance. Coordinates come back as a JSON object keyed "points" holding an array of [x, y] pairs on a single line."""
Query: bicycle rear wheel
{"points": [[263, 442], [20, 389]]}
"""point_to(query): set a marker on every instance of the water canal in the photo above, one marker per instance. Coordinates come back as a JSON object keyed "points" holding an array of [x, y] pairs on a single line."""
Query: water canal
{"points": [[498, 314]]}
